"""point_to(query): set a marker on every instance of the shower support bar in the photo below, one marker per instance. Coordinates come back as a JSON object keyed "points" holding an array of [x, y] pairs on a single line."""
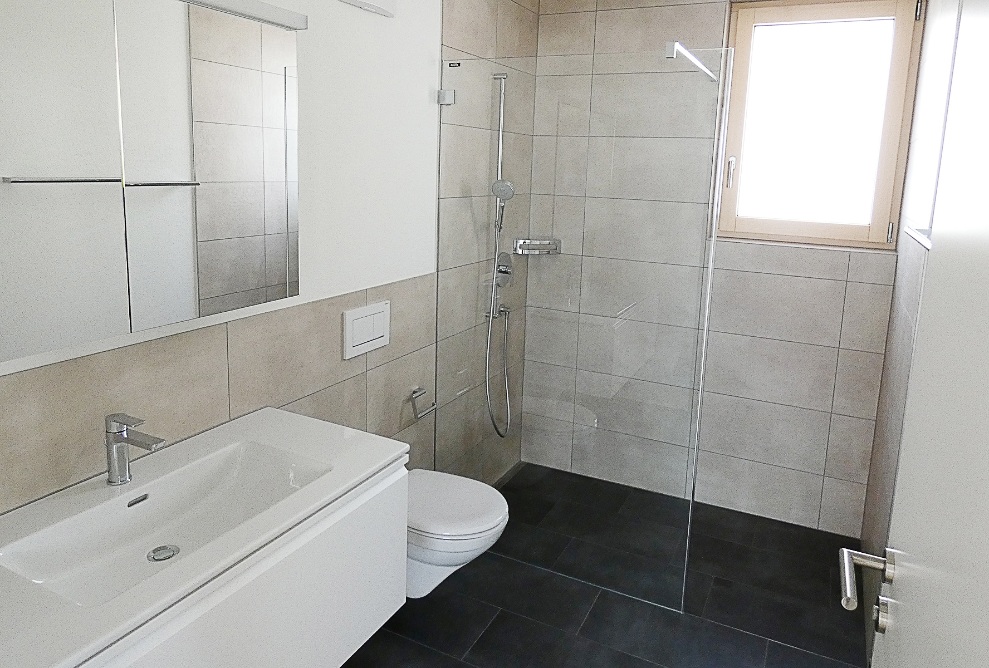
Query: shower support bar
{"points": [[673, 48]]}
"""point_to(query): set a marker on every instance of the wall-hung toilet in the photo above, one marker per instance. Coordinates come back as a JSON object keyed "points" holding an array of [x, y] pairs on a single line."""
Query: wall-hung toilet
{"points": [[452, 520]]}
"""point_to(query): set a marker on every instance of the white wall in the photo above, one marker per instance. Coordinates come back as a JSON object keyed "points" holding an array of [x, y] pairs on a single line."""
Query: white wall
{"points": [[368, 144]]}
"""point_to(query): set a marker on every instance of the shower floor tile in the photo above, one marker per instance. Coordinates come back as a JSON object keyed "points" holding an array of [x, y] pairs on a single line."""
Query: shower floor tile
{"points": [[584, 567]]}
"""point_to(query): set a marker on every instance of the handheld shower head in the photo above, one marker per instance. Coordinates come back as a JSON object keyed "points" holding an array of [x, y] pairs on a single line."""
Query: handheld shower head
{"points": [[503, 190]]}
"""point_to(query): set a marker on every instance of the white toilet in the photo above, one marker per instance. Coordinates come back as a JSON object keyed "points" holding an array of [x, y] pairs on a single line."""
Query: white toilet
{"points": [[452, 520]]}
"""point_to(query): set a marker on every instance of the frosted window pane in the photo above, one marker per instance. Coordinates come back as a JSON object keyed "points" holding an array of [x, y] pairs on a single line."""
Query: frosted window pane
{"points": [[814, 110]]}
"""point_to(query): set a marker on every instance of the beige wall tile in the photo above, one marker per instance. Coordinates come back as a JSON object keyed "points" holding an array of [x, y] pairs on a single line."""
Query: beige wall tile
{"points": [[547, 442], [849, 448], [781, 259], [629, 460], [476, 93], [460, 363], [465, 162], [560, 217], [551, 337], [566, 34], [677, 170], [564, 65], [225, 94], [460, 426], [344, 403], [804, 310], [857, 386], [555, 283], [224, 38], [462, 302], [701, 26], [520, 95], [795, 374], [670, 232], [654, 104], [389, 387], [634, 407], [227, 210], [866, 317], [633, 4], [276, 259], [518, 30], [641, 350], [549, 390], [866, 267], [420, 437], [228, 152], [841, 507], [177, 383], [465, 230], [278, 357], [661, 293], [518, 163], [275, 208], [413, 316], [231, 265], [761, 489], [795, 438], [278, 49], [563, 6], [563, 105], [471, 26]]}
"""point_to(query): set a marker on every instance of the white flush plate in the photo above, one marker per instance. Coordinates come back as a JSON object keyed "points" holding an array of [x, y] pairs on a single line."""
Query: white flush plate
{"points": [[366, 329]]}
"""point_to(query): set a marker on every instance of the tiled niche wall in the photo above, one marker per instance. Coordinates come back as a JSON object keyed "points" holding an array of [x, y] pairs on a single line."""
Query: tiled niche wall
{"points": [[244, 108], [480, 39], [796, 350], [51, 426], [621, 171]]}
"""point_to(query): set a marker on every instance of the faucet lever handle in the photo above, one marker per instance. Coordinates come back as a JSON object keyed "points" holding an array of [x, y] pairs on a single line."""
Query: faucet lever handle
{"points": [[118, 422]]}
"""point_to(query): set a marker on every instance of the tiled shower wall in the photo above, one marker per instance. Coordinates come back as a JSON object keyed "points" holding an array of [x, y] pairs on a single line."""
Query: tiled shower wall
{"points": [[621, 164], [248, 244], [51, 426], [481, 38]]}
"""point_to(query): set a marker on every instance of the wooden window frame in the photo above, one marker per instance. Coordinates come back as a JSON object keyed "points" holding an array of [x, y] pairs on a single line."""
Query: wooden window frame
{"points": [[881, 232]]}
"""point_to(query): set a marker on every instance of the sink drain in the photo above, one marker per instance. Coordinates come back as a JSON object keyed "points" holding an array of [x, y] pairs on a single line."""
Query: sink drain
{"points": [[163, 553]]}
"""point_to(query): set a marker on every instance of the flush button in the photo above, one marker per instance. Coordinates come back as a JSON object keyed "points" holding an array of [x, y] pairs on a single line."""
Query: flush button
{"points": [[163, 553]]}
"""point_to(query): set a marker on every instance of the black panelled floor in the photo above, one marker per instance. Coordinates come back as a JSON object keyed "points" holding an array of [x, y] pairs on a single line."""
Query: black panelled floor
{"points": [[580, 574]]}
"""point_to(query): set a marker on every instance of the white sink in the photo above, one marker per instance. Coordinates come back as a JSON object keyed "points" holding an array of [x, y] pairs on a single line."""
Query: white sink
{"points": [[92, 557], [75, 577]]}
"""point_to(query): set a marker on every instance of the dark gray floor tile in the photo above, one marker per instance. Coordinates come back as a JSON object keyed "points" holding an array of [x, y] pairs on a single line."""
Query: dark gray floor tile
{"points": [[445, 621], [572, 519], [803, 542], [783, 656], [530, 544], [524, 589], [722, 523], [649, 579], [527, 507], [669, 510], [826, 630], [696, 592], [564, 486], [669, 638], [638, 536], [512, 641], [387, 650]]}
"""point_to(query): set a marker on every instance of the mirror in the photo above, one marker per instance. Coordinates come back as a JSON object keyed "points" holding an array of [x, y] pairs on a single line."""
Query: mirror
{"points": [[180, 202]]}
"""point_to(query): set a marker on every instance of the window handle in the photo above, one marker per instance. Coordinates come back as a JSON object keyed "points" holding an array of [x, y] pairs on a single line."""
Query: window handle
{"points": [[731, 172]]}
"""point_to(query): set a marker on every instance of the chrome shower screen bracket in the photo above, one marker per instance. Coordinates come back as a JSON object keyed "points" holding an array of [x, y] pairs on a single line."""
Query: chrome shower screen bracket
{"points": [[675, 48]]}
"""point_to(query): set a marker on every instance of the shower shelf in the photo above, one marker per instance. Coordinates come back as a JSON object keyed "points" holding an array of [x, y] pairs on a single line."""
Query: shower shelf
{"points": [[537, 247]]}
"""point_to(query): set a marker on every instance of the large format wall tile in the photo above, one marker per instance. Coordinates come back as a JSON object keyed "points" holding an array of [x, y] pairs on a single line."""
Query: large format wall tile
{"points": [[231, 265], [660, 293], [471, 26], [563, 106], [344, 403], [226, 94], [761, 489], [866, 318], [566, 34], [228, 210], [849, 448], [224, 38], [280, 356], [229, 152], [177, 383], [673, 170], [795, 438], [872, 268], [413, 317], [638, 408], [465, 162], [518, 29], [700, 26], [389, 390], [857, 386], [420, 438], [842, 505], [803, 310], [642, 350], [630, 460], [781, 259], [465, 230], [460, 364], [546, 441], [555, 282], [549, 390], [648, 231], [461, 304], [560, 217], [654, 104], [551, 336]]}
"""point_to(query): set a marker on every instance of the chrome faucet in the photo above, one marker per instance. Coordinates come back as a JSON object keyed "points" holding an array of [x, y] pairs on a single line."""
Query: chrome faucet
{"points": [[119, 437]]}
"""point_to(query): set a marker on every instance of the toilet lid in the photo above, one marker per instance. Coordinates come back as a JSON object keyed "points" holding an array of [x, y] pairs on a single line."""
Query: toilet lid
{"points": [[448, 505]]}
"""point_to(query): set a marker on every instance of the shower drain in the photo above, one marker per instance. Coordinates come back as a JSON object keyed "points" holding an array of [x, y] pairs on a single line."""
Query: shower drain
{"points": [[163, 553]]}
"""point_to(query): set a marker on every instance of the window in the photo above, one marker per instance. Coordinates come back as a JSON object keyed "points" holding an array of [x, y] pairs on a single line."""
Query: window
{"points": [[815, 118]]}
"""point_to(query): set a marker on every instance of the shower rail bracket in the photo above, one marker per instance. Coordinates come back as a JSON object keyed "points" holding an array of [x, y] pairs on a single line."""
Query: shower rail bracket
{"points": [[537, 247]]}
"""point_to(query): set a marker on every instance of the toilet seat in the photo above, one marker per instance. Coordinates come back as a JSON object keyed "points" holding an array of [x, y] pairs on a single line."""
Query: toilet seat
{"points": [[444, 507]]}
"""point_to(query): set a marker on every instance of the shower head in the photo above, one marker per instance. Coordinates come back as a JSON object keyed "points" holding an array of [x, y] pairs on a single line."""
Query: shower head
{"points": [[503, 190]]}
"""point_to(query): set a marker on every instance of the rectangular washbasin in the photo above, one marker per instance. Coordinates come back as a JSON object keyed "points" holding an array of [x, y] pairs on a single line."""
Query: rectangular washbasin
{"points": [[90, 558]]}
